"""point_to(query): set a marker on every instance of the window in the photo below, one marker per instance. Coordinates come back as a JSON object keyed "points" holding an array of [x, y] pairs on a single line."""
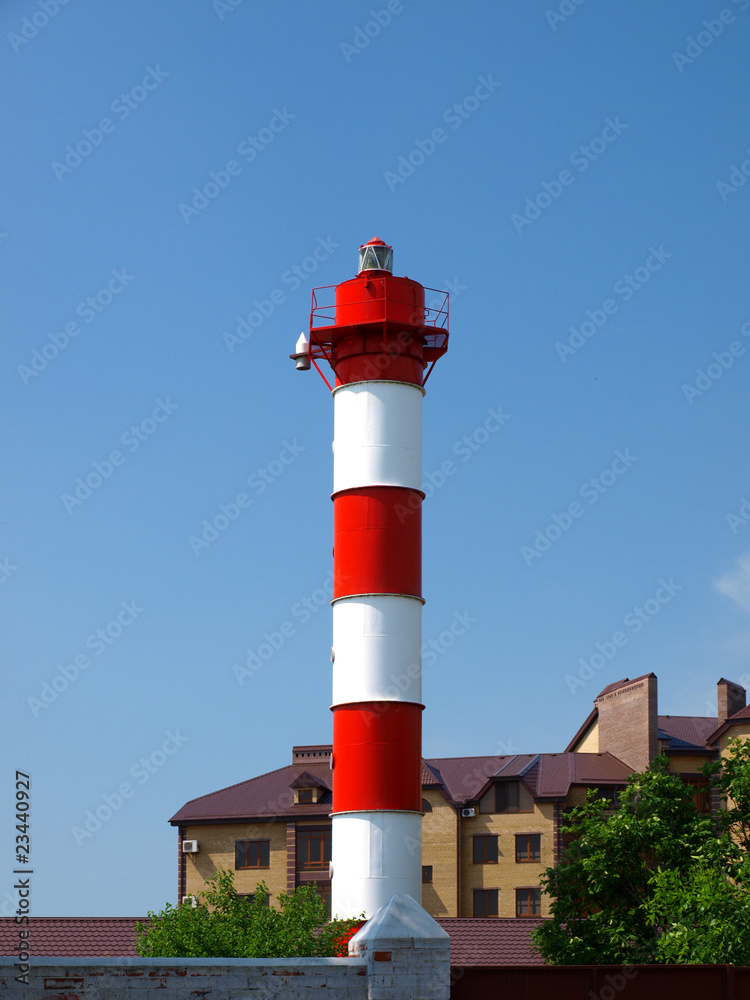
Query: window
{"points": [[251, 897], [313, 847], [304, 795], [324, 891], [426, 874], [512, 797], [252, 853], [701, 793], [528, 902], [485, 850], [528, 846], [485, 902], [609, 797]]}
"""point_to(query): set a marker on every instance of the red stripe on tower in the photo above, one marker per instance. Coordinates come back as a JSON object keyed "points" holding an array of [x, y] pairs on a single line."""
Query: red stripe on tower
{"points": [[381, 341]]}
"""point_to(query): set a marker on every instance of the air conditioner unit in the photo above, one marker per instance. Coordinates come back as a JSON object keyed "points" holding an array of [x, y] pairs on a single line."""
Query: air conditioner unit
{"points": [[190, 847], [468, 813], [191, 900]]}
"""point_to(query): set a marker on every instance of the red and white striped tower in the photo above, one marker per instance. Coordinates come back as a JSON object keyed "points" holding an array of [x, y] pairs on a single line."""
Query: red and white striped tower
{"points": [[382, 342]]}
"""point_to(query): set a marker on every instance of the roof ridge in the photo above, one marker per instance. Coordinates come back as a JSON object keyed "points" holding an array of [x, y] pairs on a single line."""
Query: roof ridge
{"points": [[687, 717]]}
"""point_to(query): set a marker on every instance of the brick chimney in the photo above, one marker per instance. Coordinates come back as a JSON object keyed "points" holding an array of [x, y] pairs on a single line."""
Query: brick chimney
{"points": [[628, 724], [730, 698]]}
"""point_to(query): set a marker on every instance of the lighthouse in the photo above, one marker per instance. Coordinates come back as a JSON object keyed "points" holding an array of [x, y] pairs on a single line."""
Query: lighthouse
{"points": [[381, 339]]}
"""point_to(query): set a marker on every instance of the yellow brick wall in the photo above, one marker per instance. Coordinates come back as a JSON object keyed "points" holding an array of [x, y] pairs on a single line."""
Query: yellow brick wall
{"points": [[689, 763], [439, 850], [589, 742], [216, 850], [508, 874], [733, 733]]}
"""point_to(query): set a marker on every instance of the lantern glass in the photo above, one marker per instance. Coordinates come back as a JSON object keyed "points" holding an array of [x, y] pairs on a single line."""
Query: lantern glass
{"points": [[376, 258]]}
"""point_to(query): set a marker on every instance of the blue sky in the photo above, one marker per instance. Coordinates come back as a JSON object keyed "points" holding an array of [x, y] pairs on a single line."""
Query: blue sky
{"points": [[176, 179]]}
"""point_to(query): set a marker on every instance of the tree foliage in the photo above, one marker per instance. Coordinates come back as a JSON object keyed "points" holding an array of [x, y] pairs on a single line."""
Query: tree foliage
{"points": [[702, 917], [653, 880], [226, 925]]}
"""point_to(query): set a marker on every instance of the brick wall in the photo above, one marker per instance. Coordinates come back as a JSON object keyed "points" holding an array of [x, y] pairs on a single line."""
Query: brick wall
{"points": [[508, 874], [216, 850], [741, 732], [628, 724], [439, 850], [730, 698], [400, 954], [589, 742]]}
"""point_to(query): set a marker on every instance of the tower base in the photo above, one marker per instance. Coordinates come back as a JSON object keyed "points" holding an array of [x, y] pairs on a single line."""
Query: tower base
{"points": [[377, 854]]}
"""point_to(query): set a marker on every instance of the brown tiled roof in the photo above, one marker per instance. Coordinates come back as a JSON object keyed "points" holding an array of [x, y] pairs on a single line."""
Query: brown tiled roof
{"points": [[491, 940], [693, 729], [548, 775], [73, 937], [474, 940], [430, 776], [461, 779], [558, 771], [307, 780], [268, 796], [742, 716], [466, 778]]}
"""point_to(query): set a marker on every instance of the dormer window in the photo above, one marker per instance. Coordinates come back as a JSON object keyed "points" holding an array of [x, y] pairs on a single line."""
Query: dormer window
{"points": [[308, 789]]}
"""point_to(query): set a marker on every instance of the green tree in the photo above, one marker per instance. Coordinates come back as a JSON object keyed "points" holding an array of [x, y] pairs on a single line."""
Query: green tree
{"points": [[702, 916], [603, 880], [225, 925], [730, 777]]}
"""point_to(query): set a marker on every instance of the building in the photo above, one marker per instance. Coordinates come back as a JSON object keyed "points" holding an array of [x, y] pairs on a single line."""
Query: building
{"points": [[625, 722], [491, 825]]}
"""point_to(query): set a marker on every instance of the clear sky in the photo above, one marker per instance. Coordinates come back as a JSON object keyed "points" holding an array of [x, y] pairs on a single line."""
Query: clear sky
{"points": [[176, 177]]}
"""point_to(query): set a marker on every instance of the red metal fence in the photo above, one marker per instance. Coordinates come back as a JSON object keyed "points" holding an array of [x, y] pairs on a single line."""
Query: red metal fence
{"points": [[600, 982]]}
